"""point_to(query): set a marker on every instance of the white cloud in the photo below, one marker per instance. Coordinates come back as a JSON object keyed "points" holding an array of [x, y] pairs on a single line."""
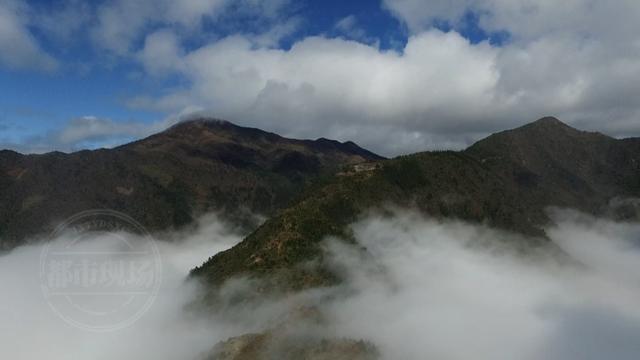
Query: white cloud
{"points": [[277, 32], [338, 88], [347, 23], [426, 289], [168, 330], [418, 14], [18, 48], [349, 26], [441, 91], [453, 291], [121, 23], [161, 52], [527, 20]]}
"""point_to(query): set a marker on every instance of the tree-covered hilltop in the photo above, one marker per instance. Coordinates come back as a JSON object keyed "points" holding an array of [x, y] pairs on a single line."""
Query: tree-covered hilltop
{"points": [[167, 179], [507, 181]]}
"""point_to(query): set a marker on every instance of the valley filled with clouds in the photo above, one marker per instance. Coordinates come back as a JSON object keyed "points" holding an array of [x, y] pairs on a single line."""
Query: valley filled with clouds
{"points": [[272, 179], [425, 288]]}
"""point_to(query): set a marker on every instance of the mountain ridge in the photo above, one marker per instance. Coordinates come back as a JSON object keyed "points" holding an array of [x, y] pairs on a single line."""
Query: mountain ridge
{"points": [[506, 180], [166, 179]]}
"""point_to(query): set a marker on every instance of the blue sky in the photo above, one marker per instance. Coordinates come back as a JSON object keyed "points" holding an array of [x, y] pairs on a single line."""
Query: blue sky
{"points": [[89, 74]]}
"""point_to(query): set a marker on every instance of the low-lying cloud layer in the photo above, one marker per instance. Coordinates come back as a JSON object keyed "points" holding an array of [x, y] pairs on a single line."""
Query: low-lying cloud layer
{"points": [[426, 289], [30, 329], [450, 291]]}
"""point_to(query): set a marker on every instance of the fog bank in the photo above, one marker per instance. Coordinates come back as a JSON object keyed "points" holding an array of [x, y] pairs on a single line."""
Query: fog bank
{"points": [[451, 291], [29, 329], [425, 289]]}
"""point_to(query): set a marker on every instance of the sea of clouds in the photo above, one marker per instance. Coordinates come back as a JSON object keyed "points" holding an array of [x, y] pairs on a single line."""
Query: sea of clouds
{"points": [[426, 289], [455, 291]]}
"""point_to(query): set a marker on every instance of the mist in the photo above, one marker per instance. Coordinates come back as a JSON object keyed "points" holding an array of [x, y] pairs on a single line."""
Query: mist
{"points": [[448, 290], [31, 330], [424, 289]]}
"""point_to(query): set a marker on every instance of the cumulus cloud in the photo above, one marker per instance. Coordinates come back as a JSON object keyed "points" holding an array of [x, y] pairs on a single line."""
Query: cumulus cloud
{"points": [[161, 52], [440, 90], [342, 89], [18, 47]]}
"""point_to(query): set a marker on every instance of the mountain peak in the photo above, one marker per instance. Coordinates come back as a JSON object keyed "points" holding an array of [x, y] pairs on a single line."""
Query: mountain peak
{"points": [[548, 123], [207, 125], [544, 132], [555, 153], [550, 129], [211, 134], [169, 178]]}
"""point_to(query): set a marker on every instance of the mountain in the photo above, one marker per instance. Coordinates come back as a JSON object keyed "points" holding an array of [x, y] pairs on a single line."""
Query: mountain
{"points": [[507, 181], [167, 179], [561, 165]]}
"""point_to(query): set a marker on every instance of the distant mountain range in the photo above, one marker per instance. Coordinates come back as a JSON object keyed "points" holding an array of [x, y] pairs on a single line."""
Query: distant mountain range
{"points": [[168, 179]]}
